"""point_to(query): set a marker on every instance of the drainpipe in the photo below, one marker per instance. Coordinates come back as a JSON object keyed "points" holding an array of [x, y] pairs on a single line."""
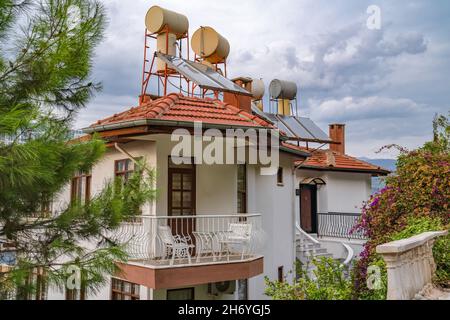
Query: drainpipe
{"points": [[126, 153]]}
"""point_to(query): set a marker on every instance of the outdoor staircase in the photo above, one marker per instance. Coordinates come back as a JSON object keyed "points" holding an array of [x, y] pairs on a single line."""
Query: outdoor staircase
{"points": [[308, 248]]}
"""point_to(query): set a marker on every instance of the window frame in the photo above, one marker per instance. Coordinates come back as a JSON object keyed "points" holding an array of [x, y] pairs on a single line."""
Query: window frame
{"points": [[76, 294], [242, 193], [121, 291], [191, 290], [184, 169], [280, 177], [74, 191], [281, 274]]}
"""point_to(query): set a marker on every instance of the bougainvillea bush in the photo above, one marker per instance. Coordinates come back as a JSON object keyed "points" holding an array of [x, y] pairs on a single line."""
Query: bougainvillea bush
{"points": [[418, 190]]}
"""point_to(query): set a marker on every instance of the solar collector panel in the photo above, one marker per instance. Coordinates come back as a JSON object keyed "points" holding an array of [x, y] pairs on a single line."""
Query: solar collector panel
{"points": [[296, 127], [309, 125], [202, 75], [280, 125]]}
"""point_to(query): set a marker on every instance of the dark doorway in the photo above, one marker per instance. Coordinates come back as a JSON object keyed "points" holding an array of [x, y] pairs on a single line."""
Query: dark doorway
{"points": [[308, 208]]}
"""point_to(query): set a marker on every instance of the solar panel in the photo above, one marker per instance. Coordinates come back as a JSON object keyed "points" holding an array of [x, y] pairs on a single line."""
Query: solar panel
{"points": [[313, 128], [296, 127], [280, 125], [202, 75], [259, 113]]}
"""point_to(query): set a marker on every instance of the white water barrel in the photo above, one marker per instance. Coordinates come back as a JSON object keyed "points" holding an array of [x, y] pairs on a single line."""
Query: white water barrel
{"points": [[158, 18], [281, 89], [210, 45], [170, 48], [257, 89]]}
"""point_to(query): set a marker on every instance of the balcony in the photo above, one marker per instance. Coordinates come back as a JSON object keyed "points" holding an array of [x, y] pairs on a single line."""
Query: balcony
{"points": [[339, 225], [173, 251]]}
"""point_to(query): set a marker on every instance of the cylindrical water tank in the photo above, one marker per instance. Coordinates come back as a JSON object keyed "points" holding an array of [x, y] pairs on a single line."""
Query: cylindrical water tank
{"points": [[157, 18], [210, 45], [281, 89], [284, 107], [165, 44], [257, 89]]}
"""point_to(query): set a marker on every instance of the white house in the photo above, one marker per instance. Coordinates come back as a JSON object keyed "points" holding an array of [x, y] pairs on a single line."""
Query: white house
{"points": [[217, 228], [199, 201]]}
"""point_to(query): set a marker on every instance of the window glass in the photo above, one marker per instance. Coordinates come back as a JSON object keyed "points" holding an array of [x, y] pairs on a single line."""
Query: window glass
{"points": [[124, 290], [181, 294]]}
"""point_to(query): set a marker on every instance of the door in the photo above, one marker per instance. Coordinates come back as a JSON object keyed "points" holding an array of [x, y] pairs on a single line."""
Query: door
{"points": [[181, 198], [308, 208]]}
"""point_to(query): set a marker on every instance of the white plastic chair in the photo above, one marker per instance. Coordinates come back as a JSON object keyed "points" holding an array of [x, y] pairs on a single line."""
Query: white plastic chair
{"points": [[175, 245], [238, 234]]}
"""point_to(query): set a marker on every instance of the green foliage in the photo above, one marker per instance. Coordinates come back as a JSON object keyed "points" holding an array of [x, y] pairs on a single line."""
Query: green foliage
{"points": [[46, 50], [376, 293], [418, 190], [441, 248], [327, 283], [418, 225]]}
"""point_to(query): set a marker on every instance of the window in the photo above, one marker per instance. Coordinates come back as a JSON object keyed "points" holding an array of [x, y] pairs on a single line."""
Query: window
{"points": [[280, 176], [123, 168], [81, 187], [34, 287], [242, 189], [123, 290], [76, 294], [44, 210], [280, 274], [181, 187], [181, 294]]}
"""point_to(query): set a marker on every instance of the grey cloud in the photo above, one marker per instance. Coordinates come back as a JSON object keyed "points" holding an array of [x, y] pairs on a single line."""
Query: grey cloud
{"points": [[350, 109], [385, 84]]}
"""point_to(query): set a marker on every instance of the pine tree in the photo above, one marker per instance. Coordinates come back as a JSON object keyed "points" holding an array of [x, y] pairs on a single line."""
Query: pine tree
{"points": [[46, 50]]}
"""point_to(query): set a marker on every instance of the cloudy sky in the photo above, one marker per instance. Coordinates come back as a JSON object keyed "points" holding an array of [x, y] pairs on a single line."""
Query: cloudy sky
{"points": [[385, 85]]}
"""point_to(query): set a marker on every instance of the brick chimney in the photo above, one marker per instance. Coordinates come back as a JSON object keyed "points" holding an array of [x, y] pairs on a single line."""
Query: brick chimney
{"points": [[337, 134], [238, 100], [143, 99]]}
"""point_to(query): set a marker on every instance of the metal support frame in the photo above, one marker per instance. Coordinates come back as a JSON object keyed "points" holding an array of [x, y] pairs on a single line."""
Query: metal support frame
{"points": [[163, 77]]}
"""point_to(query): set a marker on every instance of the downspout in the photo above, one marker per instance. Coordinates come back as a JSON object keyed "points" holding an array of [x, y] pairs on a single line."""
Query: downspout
{"points": [[126, 153]]}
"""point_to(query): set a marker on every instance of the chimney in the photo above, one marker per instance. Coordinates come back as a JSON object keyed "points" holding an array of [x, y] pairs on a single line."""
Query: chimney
{"points": [[337, 134], [238, 100], [144, 98]]}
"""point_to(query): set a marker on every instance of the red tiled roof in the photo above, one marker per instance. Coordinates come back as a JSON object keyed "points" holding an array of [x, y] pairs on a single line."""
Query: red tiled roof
{"points": [[332, 160], [176, 107]]}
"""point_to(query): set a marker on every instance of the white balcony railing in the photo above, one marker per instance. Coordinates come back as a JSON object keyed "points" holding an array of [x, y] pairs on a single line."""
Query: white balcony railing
{"points": [[163, 241]]}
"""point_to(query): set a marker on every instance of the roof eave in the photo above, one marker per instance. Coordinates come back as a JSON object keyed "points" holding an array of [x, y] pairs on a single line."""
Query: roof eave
{"points": [[296, 152], [167, 123], [375, 172]]}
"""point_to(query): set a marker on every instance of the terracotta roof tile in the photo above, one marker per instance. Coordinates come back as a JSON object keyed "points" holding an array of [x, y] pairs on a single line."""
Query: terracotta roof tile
{"points": [[332, 160], [176, 107]]}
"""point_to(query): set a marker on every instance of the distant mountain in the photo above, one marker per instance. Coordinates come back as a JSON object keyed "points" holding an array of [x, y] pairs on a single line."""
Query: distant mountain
{"points": [[377, 182], [385, 163]]}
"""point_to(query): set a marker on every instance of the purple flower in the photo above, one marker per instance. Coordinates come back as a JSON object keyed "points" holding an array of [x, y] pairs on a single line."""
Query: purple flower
{"points": [[374, 202]]}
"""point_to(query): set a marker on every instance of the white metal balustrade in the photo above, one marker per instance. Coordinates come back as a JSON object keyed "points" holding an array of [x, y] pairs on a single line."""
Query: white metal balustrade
{"points": [[187, 240]]}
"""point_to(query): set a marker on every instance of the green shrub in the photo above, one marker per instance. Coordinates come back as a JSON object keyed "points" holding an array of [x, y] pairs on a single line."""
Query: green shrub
{"points": [[441, 247], [327, 283], [381, 292]]}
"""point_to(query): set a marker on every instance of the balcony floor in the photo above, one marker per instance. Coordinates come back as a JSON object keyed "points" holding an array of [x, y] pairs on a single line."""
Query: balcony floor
{"points": [[161, 275], [195, 261]]}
